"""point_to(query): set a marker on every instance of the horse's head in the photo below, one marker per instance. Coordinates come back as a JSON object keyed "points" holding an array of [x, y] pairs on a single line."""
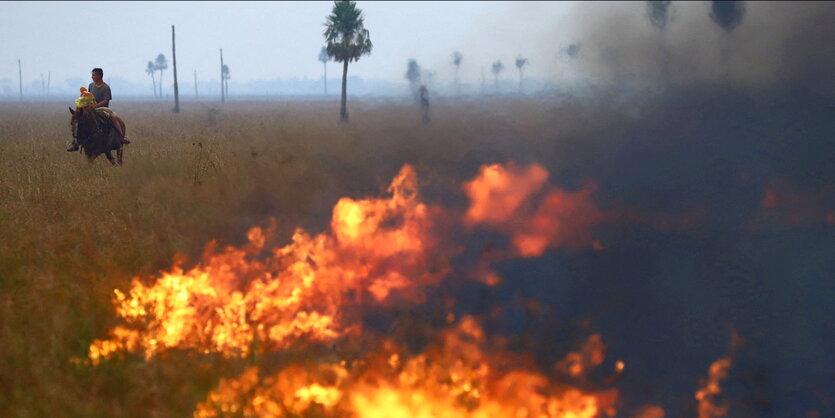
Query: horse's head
{"points": [[82, 122]]}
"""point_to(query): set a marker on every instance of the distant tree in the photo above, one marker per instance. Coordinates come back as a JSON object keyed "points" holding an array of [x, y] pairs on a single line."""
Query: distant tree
{"points": [[150, 70], [496, 69], [658, 12], [347, 40], [226, 77], [456, 61], [324, 58], [161, 64], [727, 14], [520, 64], [413, 75]]}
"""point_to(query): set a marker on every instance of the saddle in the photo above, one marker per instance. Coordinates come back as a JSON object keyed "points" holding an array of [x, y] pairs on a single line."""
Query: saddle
{"points": [[103, 120]]}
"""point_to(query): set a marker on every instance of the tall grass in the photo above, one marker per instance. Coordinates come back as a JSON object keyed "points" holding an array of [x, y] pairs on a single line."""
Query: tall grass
{"points": [[71, 232]]}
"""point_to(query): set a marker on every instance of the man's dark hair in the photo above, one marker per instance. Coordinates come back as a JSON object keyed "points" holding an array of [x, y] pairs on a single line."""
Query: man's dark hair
{"points": [[98, 71]]}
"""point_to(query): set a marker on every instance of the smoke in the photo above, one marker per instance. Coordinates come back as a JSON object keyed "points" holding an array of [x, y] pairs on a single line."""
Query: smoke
{"points": [[722, 43], [727, 14]]}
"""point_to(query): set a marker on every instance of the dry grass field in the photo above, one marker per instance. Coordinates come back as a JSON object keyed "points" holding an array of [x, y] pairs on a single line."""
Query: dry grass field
{"points": [[71, 232]]}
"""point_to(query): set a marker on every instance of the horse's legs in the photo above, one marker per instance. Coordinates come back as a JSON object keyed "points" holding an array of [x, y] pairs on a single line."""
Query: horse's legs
{"points": [[119, 155], [109, 156]]}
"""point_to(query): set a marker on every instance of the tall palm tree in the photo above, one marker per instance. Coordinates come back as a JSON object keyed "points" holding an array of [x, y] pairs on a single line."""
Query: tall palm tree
{"points": [[161, 64], [151, 69], [457, 57], [226, 77], [520, 64], [413, 75], [496, 69], [324, 58], [347, 40]]}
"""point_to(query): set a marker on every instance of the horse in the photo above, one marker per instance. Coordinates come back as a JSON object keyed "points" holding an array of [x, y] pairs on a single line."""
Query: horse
{"points": [[96, 135]]}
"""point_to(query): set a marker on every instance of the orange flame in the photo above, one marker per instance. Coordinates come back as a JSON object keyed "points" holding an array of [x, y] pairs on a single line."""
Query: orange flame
{"points": [[707, 395], [454, 378], [501, 197], [230, 303]]}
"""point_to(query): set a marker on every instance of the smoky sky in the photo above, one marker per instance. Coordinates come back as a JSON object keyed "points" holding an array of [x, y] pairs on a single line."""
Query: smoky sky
{"points": [[652, 43], [727, 43]]}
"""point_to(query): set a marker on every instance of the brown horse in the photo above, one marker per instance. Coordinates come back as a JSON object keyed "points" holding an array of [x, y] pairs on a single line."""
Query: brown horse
{"points": [[96, 135]]}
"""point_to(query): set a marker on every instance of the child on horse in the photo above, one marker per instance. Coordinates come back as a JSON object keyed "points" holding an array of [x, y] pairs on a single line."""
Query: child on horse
{"points": [[101, 93]]}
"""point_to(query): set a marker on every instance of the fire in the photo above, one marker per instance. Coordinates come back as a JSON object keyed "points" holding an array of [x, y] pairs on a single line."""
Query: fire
{"points": [[232, 302], [238, 302], [456, 377], [498, 191], [785, 203], [707, 395], [503, 198]]}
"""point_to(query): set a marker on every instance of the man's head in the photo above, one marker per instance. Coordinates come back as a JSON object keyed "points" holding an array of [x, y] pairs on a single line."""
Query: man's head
{"points": [[97, 74]]}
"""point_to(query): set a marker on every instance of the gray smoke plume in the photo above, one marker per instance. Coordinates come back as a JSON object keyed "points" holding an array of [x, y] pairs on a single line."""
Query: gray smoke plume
{"points": [[781, 42], [659, 12], [727, 14]]}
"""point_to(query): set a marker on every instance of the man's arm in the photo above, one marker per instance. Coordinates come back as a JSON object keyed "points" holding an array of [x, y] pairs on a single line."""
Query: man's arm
{"points": [[102, 103]]}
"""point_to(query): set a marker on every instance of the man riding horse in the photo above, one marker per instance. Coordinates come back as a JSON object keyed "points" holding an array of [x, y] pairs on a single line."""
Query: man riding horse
{"points": [[101, 91]]}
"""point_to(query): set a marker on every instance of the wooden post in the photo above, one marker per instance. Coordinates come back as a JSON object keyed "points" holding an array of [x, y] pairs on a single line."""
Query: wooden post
{"points": [[174, 58], [20, 78]]}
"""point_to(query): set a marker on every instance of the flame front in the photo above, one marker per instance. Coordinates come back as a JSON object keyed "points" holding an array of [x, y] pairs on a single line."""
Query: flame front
{"points": [[231, 303], [381, 252], [456, 377]]}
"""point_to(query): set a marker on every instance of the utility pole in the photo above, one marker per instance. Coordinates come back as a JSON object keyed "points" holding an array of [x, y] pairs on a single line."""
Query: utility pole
{"points": [[174, 58], [48, 80], [20, 78], [222, 97], [195, 83]]}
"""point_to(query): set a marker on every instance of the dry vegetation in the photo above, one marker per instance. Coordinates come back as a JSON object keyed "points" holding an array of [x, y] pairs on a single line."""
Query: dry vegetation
{"points": [[73, 232]]}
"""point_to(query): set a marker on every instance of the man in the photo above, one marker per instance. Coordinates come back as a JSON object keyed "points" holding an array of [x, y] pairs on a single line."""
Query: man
{"points": [[101, 91]]}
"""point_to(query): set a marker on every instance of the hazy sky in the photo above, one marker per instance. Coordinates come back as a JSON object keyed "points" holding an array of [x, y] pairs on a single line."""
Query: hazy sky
{"points": [[260, 40], [269, 40]]}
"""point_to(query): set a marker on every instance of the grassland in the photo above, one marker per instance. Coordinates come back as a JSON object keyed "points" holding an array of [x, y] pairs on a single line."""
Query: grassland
{"points": [[73, 232]]}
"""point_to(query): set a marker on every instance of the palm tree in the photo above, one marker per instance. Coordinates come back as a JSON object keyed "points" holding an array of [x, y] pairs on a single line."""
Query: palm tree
{"points": [[161, 64], [497, 68], [659, 12], [324, 58], [521, 63], [151, 69], [347, 40], [456, 60], [727, 14], [413, 75], [226, 77]]}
